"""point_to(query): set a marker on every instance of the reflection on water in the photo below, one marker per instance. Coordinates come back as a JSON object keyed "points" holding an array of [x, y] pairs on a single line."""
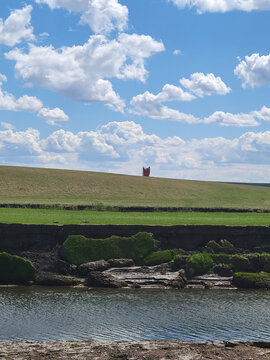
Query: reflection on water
{"points": [[38, 313]]}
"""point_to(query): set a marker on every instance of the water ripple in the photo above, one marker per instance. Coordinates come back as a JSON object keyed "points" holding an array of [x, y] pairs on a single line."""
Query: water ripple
{"points": [[41, 314]]}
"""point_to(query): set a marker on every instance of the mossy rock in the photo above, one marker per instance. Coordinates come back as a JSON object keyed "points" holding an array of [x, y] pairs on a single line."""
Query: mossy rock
{"points": [[241, 263], [15, 269], [214, 246], [79, 249], [252, 280], [265, 262], [159, 257], [222, 258], [225, 244], [198, 264]]}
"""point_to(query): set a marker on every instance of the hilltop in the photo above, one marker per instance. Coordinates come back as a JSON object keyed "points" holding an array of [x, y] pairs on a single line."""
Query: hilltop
{"points": [[22, 185]]}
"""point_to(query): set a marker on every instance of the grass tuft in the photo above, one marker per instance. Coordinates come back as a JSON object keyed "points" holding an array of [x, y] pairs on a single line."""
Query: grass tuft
{"points": [[198, 264], [159, 257]]}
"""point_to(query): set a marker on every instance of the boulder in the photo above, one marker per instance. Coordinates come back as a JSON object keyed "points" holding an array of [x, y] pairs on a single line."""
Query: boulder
{"points": [[52, 279], [62, 267], [103, 280], [48, 261], [119, 263], [85, 269], [179, 262], [223, 270], [180, 282]]}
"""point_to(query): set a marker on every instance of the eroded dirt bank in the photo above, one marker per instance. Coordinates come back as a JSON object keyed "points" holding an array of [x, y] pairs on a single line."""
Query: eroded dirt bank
{"points": [[141, 350], [15, 238]]}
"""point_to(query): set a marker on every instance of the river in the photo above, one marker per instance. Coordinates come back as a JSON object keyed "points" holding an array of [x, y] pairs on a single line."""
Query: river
{"points": [[46, 314]]}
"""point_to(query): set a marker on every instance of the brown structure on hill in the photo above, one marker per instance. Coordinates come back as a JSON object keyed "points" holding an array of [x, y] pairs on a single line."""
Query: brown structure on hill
{"points": [[146, 171]]}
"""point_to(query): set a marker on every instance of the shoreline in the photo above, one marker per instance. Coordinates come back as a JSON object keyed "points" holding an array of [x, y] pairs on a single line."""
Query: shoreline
{"points": [[136, 350]]}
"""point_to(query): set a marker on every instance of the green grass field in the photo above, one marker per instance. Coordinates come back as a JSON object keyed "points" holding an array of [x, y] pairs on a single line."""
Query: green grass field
{"points": [[49, 186], [60, 217]]}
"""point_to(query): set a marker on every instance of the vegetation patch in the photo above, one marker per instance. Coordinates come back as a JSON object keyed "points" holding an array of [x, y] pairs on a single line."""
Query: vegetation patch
{"points": [[198, 264], [159, 257], [241, 263], [222, 258], [15, 269], [252, 280], [80, 249]]}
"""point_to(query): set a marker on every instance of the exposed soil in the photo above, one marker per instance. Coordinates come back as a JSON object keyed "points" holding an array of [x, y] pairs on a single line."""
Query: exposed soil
{"points": [[141, 350]]}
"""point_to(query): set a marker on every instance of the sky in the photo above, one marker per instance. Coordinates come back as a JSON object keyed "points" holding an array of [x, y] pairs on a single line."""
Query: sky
{"points": [[182, 86]]}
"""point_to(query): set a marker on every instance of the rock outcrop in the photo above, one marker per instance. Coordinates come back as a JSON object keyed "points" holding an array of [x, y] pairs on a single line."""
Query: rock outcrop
{"points": [[150, 276], [104, 280], [51, 279]]}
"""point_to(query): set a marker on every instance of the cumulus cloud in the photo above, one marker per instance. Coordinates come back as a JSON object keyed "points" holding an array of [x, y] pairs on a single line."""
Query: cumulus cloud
{"points": [[29, 104], [102, 16], [254, 70], [24, 103], [150, 105], [125, 147], [53, 116], [222, 5], [229, 119], [17, 27], [176, 52], [205, 85], [82, 72]]}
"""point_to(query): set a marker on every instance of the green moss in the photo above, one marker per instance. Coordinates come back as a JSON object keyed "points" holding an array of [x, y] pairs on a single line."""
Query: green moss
{"points": [[241, 263], [252, 280], [198, 264], [15, 269], [159, 257], [80, 249], [222, 259]]}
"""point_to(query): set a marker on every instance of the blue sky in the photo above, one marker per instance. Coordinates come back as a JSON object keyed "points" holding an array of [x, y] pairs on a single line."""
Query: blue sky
{"points": [[114, 85]]}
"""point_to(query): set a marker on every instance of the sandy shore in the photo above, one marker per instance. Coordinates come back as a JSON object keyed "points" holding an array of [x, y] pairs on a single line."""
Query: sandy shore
{"points": [[138, 350]]}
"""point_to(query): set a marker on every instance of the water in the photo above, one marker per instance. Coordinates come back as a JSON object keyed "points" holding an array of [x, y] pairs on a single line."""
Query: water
{"points": [[43, 314]]}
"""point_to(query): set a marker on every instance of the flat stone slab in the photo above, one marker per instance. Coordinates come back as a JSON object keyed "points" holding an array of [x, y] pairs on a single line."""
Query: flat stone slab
{"points": [[144, 275]]}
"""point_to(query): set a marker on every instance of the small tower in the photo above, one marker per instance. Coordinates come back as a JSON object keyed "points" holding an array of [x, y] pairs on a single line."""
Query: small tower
{"points": [[146, 171]]}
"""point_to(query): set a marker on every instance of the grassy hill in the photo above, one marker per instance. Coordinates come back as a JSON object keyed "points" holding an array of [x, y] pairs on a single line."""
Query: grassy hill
{"points": [[49, 186]]}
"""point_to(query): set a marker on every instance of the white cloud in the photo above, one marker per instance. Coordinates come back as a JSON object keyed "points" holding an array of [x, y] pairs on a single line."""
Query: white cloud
{"points": [[176, 52], [125, 147], [7, 126], [29, 104], [254, 70], [205, 85], [150, 105], [17, 27], [82, 72], [24, 103], [102, 16], [228, 119], [53, 116], [44, 34], [223, 5]]}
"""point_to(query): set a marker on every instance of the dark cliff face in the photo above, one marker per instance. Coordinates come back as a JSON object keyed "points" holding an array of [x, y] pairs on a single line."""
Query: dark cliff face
{"points": [[17, 237]]}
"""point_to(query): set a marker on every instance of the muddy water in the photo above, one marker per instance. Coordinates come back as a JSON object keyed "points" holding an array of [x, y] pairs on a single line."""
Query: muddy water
{"points": [[39, 314]]}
